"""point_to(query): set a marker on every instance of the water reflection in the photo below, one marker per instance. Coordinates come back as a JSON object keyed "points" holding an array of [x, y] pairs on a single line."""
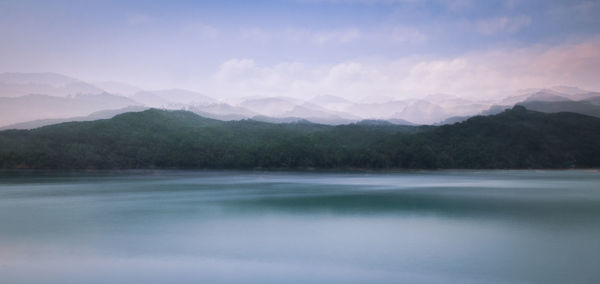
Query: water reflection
{"points": [[185, 226]]}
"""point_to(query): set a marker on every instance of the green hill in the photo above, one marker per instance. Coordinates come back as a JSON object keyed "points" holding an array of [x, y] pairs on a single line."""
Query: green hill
{"points": [[517, 138], [587, 107]]}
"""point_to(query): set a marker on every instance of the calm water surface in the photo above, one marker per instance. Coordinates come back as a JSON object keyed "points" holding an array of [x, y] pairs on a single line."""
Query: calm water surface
{"points": [[256, 227]]}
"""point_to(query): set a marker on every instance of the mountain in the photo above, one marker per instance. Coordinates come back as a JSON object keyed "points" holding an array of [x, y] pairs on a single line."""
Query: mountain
{"points": [[492, 110], [376, 99], [222, 111], [516, 138], [552, 100], [330, 102], [118, 88], [277, 120], [284, 110], [103, 114], [422, 112], [546, 97], [399, 121], [172, 98], [319, 114], [567, 90], [453, 120], [542, 95], [559, 93], [439, 108], [329, 99], [373, 122], [495, 109], [35, 107], [574, 93], [593, 100], [270, 106], [21, 84], [455, 104], [384, 110], [585, 96], [581, 107], [151, 99], [333, 120]]}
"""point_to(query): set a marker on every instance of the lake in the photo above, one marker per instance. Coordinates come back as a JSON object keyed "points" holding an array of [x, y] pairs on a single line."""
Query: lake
{"points": [[300, 227]]}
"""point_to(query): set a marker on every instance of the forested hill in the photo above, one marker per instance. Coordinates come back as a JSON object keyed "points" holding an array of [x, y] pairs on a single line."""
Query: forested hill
{"points": [[517, 138]]}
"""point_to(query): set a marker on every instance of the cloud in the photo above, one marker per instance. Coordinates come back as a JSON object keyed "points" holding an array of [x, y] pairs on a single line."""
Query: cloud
{"points": [[492, 74], [244, 77], [390, 35], [235, 69], [502, 25], [500, 72]]}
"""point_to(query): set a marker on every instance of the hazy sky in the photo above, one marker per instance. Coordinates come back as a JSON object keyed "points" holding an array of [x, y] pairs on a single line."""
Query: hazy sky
{"points": [[303, 48]]}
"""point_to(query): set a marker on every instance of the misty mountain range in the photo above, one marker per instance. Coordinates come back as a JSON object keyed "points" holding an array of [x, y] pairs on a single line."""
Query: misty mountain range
{"points": [[30, 100]]}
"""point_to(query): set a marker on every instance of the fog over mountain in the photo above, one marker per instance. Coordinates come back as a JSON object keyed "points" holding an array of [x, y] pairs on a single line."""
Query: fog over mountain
{"points": [[171, 98], [103, 114], [35, 107], [118, 88], [30, 99], [21, 84], [330, 62]]}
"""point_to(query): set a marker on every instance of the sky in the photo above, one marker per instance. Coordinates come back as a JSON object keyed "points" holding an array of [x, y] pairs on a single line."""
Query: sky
{"points": [[358, 49]]}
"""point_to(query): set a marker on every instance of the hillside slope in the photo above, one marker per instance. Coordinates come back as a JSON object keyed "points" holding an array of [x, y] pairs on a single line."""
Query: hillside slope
{"points": [[517, 138], [586, 107]]}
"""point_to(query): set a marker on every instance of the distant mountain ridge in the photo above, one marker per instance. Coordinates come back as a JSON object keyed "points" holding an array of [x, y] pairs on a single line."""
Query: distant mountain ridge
{"points": [[37, 97], [549, 101], [35, 107], [102, 114], [581, 107], [172, 98], [21, 84]]}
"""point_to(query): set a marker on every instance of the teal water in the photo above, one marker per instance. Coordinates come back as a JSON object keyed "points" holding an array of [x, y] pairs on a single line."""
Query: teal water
{"points": [[283, 227]]}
